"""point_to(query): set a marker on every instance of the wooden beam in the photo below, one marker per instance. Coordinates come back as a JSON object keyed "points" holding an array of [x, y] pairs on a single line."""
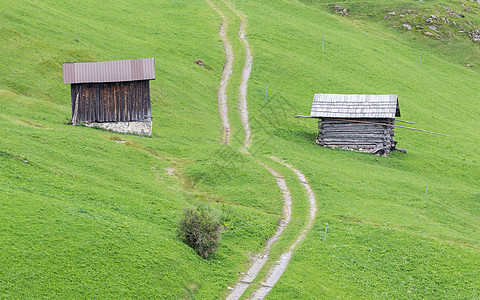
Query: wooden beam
{"points": [[404, 121], [384, 124]]}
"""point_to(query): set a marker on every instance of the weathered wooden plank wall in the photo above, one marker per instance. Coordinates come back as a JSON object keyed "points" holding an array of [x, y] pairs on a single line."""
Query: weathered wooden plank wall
{"points": [[112, 102], [344, 134]]}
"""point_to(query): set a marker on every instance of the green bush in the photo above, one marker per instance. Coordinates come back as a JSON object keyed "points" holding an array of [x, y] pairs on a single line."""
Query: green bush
{"points": [[200, 230]]}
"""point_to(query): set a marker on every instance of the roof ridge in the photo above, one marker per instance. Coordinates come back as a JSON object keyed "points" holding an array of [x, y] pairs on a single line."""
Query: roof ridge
{"points": [[109, 71], [355, 106]]}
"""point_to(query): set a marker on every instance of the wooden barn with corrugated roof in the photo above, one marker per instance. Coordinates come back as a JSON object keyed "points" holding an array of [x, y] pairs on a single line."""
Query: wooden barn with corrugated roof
{"points": [[114, 95], [362, 123]]}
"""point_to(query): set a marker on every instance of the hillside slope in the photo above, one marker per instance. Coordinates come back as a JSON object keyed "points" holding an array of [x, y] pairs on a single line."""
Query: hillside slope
{"points": [[386, 237], [87, 213]]}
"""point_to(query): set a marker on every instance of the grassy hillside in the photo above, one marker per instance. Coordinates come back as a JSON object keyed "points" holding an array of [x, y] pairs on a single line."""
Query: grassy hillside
{"points": [[386, 237], [85, 215], [443, 27]]}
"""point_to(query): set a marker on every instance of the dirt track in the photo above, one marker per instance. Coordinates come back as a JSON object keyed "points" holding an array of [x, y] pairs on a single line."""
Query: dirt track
{"points": [[258, 260]]}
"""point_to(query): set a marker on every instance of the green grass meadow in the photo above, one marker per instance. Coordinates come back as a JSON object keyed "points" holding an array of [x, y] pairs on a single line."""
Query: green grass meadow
{"points": [[86, 213]]}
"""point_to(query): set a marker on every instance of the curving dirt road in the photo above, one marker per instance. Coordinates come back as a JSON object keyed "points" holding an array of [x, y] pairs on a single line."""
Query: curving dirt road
{"points": [[222, 96], [259, 260]]}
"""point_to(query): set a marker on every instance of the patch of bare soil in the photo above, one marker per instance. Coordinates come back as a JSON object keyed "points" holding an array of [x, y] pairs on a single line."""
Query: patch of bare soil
{"points": [[170, 171]]}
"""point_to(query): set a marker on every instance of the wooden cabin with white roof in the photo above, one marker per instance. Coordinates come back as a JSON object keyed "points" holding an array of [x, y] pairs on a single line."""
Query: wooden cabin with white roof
{"points": [[363, 123]]}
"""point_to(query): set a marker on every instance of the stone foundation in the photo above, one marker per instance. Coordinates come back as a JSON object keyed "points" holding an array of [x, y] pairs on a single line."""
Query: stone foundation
{"points": [[138, 128]]}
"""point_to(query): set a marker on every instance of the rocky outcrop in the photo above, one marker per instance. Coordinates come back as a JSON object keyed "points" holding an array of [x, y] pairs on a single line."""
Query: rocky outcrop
{"points": [[340, 10], [475, 35]]}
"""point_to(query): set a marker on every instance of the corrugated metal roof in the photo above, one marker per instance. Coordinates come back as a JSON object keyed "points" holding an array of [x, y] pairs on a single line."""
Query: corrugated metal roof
{"points": [[109, 71], [355, 106]]}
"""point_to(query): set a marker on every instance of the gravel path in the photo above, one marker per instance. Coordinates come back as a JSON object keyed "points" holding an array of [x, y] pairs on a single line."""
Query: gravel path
{"points": [[222, 96]]}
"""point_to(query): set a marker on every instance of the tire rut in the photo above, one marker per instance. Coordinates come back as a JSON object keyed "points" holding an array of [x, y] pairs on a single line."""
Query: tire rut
{"points": [[222, 96]]}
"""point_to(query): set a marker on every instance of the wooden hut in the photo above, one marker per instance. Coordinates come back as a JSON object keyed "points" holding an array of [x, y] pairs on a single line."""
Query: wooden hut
{"points": [[114, 95], [356, 122]]}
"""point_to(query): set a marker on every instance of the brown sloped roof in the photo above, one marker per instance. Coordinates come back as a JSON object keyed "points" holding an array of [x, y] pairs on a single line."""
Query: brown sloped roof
{"points": [[355, 106], [109, 71]]}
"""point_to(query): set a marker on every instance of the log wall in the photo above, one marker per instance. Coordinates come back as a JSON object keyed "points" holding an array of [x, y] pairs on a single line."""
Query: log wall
{"points": [[357, 136], [111, 102]]}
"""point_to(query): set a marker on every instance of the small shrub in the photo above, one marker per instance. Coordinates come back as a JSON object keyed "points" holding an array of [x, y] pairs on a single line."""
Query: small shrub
{"points": [[200, 231]]}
